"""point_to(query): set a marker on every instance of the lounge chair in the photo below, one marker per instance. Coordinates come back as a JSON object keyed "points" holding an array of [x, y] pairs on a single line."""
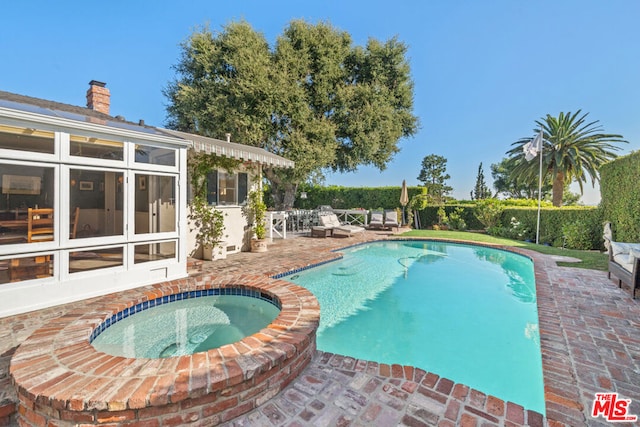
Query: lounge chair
{"points": [[332, 222], [391, 219], [377, 219]]}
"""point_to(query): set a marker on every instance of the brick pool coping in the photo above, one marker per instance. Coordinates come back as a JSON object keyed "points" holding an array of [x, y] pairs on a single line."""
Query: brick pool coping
{"points": [[562, 403], [62, 379]]}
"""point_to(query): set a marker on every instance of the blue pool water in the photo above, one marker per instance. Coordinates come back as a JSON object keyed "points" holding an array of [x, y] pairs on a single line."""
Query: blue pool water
{"points": [[467, 313]]}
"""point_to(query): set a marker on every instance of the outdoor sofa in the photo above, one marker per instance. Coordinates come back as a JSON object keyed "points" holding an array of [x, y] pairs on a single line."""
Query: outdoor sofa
{"points": [[624, 264]]}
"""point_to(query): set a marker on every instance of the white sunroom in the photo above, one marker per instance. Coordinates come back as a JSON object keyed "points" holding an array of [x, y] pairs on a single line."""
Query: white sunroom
{"points": [[89, 204], [92, 204]]}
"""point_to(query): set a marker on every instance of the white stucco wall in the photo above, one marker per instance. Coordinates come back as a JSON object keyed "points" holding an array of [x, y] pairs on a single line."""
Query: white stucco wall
{"points": [[237, 236], [234, 231]]}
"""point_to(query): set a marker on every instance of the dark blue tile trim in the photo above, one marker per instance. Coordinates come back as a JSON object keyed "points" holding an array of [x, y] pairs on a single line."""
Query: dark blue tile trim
{"points": [[130, 311], [405, 239]]}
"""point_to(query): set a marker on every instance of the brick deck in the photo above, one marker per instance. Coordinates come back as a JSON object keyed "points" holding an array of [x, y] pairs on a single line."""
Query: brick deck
{"points": [[590, 339]]}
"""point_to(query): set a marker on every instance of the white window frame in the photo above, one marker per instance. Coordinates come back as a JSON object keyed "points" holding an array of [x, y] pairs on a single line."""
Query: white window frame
{"points": [[236, 188], [33, 155], [131, 182], [19, 248]]}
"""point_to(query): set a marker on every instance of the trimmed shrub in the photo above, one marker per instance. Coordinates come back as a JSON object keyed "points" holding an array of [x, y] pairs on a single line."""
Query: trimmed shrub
{"points": [[429, 216], [456, 221], [489, 212], [576, 235]]}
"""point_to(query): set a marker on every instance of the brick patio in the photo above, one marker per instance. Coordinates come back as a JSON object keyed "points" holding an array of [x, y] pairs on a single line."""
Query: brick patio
{"points": [[590, 340]]}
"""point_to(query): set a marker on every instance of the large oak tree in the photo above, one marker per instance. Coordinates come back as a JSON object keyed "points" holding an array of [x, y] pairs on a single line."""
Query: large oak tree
{"points": [[314, 98]]}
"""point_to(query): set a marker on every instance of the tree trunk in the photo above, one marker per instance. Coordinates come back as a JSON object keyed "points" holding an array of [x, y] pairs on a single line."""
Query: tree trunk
{"points": [[289, 195], [283, 193], [558, 189]]}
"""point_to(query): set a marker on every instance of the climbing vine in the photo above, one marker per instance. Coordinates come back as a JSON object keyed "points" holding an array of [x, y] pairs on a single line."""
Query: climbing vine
{"points": [[200, 164], [208, 221]]}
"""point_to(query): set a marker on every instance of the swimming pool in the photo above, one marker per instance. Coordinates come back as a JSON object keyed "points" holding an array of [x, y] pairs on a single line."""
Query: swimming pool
{"points": [[464, 312]]}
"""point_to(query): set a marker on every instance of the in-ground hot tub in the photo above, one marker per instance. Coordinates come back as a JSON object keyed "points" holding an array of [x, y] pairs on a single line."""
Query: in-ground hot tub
{"points": [[61, 377], [176, 326]]}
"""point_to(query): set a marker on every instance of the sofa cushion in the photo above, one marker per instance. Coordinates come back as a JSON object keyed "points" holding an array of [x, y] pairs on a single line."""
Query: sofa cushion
{"points": [[623, 261], [633, 254], [618, 248]]}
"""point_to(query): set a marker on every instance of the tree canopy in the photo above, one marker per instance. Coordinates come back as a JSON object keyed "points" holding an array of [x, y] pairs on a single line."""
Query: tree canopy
{"points": [[314, 98], [433, 176], [481, 189], [572, 149], [508, 185]]}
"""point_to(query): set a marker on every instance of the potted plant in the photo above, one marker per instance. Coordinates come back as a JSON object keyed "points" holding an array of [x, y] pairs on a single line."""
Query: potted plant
{"points": [[209, 223], [256, 210]]}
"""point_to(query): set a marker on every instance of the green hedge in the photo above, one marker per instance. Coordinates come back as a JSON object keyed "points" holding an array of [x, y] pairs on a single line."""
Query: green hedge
{"points": [[620, 190], [429, 216], [552, 221], [353, 197], [586, 221]]}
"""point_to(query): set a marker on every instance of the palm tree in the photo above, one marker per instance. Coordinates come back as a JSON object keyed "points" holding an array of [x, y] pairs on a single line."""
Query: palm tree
{"points": [[572, 149]]}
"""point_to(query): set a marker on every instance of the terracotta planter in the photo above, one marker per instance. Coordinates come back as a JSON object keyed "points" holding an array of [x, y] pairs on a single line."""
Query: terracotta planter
{"points": [[258, 245]]}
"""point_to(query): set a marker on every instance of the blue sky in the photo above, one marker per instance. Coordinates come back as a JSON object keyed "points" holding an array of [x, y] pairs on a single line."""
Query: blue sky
{"points": [[484, 71]]}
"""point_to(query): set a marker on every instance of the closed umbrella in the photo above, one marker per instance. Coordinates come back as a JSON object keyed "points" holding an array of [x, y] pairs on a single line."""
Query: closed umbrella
{"points": [[404, 198]]}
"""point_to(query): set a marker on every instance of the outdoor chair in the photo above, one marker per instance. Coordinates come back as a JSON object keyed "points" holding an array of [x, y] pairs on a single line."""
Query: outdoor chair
{"points": [[332, 222], [377, 219], [391, 219]]}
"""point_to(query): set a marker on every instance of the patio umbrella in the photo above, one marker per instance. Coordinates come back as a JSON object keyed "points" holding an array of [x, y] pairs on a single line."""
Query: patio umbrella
{"points": [[404, 197]]}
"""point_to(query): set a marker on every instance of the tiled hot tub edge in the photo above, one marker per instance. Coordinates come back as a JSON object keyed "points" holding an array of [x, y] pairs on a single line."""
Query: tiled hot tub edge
{"points": [[62, 380]]}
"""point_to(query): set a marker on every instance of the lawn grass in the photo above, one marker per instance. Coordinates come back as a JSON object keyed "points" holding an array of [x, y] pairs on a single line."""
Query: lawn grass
{"points": [[592, 260]]}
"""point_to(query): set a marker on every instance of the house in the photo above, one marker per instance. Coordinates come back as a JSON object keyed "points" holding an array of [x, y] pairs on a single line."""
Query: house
{"points": [[92, 204], [228, 191]]}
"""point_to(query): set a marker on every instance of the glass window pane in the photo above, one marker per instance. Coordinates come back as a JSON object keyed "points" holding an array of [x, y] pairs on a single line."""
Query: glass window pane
{"points": [[25, 187], [95, 259], [227, 188], [96, 148], [155, 210], [155, 155], [212, 187], [26, 268], [13, 138], [97, 197], [243, 187], [154, 251]]}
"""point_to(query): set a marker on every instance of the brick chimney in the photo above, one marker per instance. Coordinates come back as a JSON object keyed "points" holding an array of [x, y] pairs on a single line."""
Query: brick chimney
{"points": [[98, 97]]}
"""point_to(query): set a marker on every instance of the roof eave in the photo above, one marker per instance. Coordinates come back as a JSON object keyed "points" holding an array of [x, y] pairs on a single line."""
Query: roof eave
{"points": [[91, 127], [232, 150]]}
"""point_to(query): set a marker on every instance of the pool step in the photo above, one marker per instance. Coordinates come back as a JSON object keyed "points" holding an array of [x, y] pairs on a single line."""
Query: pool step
{"points": [[349, 267]]}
